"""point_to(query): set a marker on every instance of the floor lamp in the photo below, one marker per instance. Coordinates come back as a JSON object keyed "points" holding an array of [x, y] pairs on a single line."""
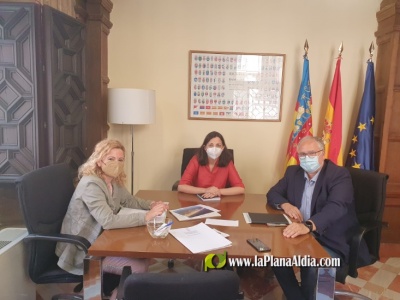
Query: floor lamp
{"points": [[131, 107]]}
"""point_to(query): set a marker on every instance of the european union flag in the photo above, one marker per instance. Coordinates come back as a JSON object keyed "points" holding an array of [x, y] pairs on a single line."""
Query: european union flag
{"points": [[361, 154]]}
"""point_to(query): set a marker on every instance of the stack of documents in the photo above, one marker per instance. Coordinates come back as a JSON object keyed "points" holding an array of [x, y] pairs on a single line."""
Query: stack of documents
{"points": [[195, 212], [200, 238]]}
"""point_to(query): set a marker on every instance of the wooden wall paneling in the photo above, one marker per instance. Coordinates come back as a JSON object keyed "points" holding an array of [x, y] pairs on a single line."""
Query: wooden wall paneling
{"points": [[53, 99], [388, 109], [65, 6], [98, 26], [20, 90]]}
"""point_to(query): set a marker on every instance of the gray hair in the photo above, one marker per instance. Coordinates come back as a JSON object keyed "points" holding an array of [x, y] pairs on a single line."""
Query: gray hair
{"points": [[318, 140]]}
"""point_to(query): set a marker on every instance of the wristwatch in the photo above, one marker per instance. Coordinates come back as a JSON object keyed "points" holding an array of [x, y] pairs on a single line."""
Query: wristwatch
{"points": [[309, 225]]}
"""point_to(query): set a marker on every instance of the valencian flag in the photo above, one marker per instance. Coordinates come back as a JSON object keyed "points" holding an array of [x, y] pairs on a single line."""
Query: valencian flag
{"points": [[332, 134], [361, 154], [302, 116]]}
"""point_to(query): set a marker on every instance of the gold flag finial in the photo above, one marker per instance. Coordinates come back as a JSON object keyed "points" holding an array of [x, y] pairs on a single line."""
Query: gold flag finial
{"points": [[371, 51], [340, 49], [306, 49]]}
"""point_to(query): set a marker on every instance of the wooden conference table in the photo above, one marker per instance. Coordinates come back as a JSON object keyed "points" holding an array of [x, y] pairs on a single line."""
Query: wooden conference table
{"points": [[137, 242]]}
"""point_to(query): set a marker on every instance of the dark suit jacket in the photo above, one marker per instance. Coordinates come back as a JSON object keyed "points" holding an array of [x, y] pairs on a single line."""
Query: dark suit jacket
{"points": [[332, 204]]}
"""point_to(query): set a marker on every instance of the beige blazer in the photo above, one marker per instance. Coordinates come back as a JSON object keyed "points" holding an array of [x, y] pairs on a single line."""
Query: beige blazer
{"points": [[92, 209]]}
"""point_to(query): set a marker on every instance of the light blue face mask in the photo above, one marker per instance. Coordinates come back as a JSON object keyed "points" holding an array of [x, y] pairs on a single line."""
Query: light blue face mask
{"points": [[309, 164]]}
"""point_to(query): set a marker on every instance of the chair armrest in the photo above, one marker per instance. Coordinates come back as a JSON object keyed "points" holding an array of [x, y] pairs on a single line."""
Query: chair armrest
{"points": [[175, 186], [65, 238], [356, 242], [126, 271], [371, 225], [354, 248]]}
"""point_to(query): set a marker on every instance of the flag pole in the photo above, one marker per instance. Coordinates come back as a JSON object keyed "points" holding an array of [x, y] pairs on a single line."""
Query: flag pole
{"points": [[302, 119], [371, 51], [361, 152], [306, 49], [332, 131], [340, 50]]}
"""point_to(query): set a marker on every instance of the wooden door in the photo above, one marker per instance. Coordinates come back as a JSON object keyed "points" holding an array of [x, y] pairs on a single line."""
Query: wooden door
{"points": [[65, 87], [42, 89], [20, 90]]}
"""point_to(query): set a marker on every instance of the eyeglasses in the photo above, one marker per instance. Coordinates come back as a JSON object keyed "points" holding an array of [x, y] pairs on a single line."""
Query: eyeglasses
{"points": [[309, 154]]}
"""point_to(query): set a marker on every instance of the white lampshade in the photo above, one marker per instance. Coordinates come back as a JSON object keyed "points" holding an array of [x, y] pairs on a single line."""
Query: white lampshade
{"points": [[131, 106]]}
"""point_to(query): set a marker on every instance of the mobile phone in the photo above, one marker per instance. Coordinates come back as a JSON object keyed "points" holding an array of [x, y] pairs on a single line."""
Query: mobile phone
{"points": [[258, 245]]}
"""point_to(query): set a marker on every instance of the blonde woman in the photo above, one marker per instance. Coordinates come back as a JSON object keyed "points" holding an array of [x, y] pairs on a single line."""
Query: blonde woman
{"points": [[99, 196]]}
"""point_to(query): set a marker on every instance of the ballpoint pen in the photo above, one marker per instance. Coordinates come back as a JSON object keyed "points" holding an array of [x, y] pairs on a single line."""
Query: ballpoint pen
{"points": [[276, 224], [162, 227]]}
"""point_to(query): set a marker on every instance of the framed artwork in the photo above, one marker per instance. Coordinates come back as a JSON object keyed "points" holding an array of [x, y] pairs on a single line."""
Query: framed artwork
{"points": [[235, 86]]}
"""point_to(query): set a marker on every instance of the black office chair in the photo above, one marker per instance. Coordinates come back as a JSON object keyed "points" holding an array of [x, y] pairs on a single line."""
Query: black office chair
{"points": [[370, 197], [187, 155], [212, 285], [44, 195]]}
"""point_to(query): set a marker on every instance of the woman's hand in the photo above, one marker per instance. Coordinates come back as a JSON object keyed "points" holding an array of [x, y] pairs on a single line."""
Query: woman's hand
{"points": [[156, 210], [154, 203], [212, 191]]}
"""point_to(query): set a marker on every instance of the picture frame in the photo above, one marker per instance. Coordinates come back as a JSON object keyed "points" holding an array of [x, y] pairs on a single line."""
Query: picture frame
{"points": [[235, 86]]}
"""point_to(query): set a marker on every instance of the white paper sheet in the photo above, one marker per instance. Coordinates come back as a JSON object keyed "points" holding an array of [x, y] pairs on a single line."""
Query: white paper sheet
{"points": [[200, 238], [219, 222]]}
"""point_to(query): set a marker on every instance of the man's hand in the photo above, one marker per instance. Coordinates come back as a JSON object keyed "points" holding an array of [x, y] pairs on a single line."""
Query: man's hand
{"points": [[295, 229], [292, 211]]}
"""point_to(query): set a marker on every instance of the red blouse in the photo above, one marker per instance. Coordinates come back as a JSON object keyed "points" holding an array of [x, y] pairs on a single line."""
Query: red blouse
{"points": [[201, 176]]}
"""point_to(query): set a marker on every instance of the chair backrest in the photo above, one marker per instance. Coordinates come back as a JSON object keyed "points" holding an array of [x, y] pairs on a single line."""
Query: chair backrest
{"points": [[44, 195], [188, 153], [212, 285], [370, 197]]}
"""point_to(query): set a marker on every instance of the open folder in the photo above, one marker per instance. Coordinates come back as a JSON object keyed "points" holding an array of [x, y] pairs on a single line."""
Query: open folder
{"points": [[266, 218]]}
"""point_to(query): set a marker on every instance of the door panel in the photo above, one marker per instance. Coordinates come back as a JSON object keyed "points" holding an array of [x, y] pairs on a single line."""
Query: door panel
{"points": [[42, 89], [19, 90], [65, 39]]}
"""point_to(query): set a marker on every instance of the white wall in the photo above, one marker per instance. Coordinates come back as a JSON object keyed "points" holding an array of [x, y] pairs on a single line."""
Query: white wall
{"points": [[149, 47]]}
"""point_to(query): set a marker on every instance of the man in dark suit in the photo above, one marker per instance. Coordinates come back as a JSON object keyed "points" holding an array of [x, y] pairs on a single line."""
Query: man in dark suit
{"points": [[318, 195]]}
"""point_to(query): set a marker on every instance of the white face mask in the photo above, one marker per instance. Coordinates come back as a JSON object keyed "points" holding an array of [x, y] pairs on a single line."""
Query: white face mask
{"points": [[214, 152], [309, 164]]}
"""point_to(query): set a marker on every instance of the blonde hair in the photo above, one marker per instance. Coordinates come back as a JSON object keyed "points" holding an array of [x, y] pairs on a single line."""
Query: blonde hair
{"points": [[101, 150]]}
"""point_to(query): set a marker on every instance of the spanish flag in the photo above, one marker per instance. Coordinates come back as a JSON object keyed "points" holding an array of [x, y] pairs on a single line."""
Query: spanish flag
{"points": [[302, 116], [332, 134]]}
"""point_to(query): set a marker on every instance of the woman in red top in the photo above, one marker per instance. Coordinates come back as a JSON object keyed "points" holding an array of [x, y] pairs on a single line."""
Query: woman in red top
{"points": [[211, 171]]}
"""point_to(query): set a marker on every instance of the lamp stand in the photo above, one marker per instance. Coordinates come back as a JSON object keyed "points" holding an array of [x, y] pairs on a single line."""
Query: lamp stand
{"points": [[132, 162], [131, 106]]}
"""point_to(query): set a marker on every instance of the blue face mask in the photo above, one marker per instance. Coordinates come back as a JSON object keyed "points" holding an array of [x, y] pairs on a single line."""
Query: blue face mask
{"points": [[309, 164]]}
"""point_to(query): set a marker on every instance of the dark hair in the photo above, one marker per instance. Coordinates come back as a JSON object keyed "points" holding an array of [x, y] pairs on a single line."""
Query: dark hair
{"points": [[225, 156]]}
